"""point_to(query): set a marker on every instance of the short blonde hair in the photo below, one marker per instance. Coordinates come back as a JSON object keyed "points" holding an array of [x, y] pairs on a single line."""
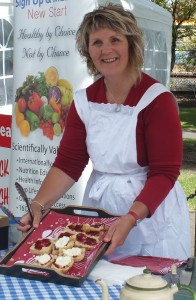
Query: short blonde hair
{"points": [[116, 18]]}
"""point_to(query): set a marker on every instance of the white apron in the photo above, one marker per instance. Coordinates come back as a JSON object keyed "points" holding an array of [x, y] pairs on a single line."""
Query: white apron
{"points": [[117, 178]]}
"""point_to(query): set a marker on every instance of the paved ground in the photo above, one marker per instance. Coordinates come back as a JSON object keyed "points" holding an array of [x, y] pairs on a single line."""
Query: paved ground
{"points": [[189, 156], [189, 135]]}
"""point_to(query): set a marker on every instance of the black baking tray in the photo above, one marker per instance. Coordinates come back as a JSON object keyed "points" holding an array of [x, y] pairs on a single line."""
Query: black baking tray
{"points": [[33, 272]]}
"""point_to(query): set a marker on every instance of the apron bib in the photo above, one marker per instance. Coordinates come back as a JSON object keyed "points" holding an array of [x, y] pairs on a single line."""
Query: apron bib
{"points": [[117, 178]]}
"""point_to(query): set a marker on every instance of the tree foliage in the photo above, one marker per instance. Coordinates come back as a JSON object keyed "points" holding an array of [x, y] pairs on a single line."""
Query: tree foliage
{"points": [[183, 12]]}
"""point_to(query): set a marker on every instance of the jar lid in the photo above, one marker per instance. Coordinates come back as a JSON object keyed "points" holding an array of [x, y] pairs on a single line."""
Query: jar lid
{"points": [[147, 281]]}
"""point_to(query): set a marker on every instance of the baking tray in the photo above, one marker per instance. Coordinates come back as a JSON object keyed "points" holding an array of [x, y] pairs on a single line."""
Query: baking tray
{"points": [[19, 262]]}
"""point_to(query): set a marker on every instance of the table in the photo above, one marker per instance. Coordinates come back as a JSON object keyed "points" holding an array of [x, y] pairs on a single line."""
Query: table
{"points": [[12, 288]]}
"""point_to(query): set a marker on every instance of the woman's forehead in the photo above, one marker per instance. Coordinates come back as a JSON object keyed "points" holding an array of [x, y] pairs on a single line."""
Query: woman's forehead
{"points": [[104, 31], [99, 26]]}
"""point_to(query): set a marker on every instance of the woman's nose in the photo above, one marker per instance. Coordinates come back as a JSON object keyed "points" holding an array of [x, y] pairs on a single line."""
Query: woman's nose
{"points": [[106, 47]]}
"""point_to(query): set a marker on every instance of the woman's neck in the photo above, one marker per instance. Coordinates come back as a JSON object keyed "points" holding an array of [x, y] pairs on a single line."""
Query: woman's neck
{"points": [[118, 90]]}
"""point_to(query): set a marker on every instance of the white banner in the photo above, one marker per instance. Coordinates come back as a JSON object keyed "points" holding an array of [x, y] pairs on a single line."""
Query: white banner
{"points": [[47, 69]]}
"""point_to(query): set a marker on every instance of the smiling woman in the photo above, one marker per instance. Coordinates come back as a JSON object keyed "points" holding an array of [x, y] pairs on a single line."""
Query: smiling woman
{"points": [[127, 123]]}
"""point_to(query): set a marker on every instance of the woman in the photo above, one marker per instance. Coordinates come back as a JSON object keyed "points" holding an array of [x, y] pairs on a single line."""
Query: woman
{"points": [[128, 124]]}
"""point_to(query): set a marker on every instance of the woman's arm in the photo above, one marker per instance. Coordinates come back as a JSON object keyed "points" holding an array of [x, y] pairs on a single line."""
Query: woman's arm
{"points": [[160, 148], [54, 186]]}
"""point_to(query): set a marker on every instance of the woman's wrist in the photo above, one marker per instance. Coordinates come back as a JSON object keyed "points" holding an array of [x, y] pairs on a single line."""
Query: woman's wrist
{"points": [[129, 220], [42, 207], [138, 211], [135, 216]]}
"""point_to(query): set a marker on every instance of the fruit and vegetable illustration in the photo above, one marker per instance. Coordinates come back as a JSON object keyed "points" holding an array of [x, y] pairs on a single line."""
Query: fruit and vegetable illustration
{"points": [[43, 102]]}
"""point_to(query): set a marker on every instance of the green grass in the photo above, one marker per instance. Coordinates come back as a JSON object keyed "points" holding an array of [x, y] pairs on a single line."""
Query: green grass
{"points": [[188, 174], [188, 118], [187, 180], [189, 148], [187, 177]]}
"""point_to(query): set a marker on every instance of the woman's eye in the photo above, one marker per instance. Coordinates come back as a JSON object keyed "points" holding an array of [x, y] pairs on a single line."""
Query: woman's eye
{"points": [[96, 42], [115, 40]]}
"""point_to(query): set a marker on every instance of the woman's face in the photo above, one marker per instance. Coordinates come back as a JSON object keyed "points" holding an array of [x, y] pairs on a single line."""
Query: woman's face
{"points": [[109, 51]]}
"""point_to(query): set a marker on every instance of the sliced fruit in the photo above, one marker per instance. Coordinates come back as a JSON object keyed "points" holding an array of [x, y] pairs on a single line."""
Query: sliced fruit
{"points": [[52, 76]]}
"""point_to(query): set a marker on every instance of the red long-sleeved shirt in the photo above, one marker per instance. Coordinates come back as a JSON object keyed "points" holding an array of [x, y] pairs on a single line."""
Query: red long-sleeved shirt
{"points": [[158, 138]]}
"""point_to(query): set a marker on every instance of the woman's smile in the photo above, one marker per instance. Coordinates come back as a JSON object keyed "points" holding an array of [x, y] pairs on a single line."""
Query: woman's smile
{"points": [[110, 60]]}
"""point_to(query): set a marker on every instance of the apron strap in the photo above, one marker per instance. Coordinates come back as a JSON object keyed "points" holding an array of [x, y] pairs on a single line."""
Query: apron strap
{"points": [[151, 93], [82, 105]]}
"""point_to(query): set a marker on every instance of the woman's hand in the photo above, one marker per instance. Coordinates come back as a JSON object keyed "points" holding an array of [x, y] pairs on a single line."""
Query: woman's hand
{"points": [[118, 232], [26, 219]]}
